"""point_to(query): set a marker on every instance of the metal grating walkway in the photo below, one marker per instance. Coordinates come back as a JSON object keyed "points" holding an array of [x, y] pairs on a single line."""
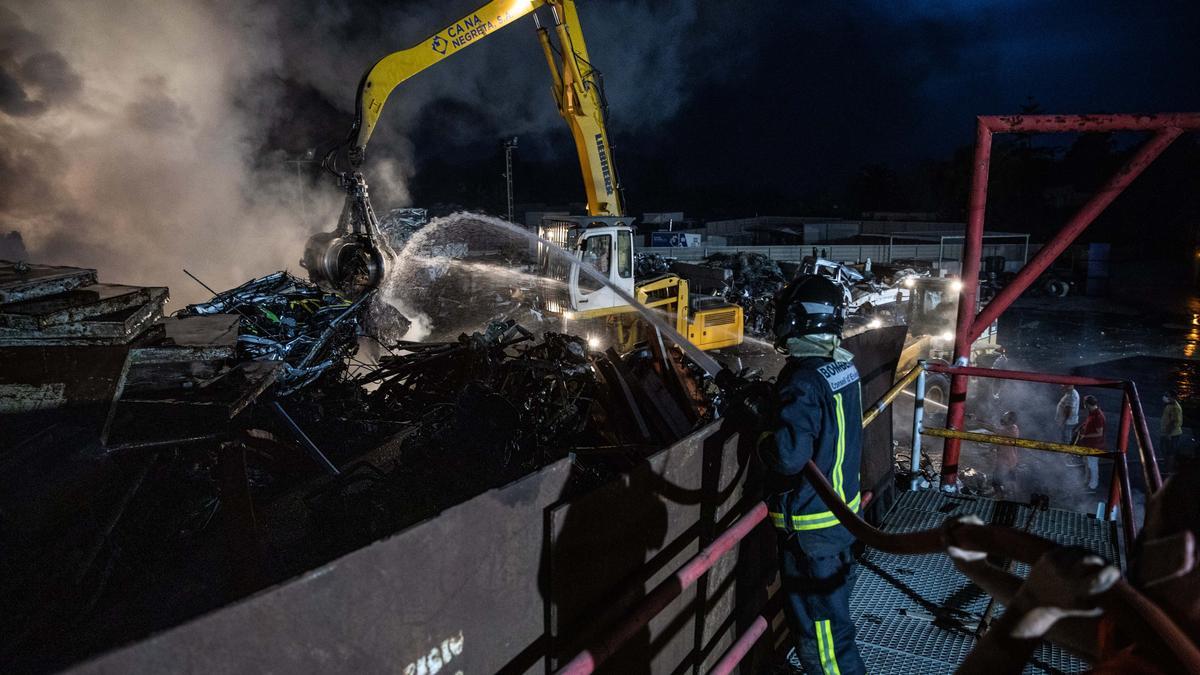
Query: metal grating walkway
{"points": [[917, 614]]}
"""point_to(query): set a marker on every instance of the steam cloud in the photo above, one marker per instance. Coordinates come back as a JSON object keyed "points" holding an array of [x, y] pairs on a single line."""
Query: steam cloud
{"points": [[141, 137]]}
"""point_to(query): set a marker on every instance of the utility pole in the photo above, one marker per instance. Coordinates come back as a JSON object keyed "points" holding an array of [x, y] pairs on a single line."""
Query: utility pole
{"points": [[309, 158], [510, 144]]}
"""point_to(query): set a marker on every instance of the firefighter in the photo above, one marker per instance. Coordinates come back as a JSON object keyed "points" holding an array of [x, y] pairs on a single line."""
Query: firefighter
{"points": [[818, 418]]}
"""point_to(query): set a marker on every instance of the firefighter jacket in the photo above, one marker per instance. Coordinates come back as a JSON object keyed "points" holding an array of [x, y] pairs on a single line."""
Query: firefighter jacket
{"points": [[820, 418]]}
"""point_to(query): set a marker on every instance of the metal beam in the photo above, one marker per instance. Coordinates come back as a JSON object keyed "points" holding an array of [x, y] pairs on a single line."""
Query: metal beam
{"points": [[1028, 443], [1009, 124], [972, 247], [884, 401], [1146, 454], [1046, 378], [1071, 231], [969, 324]]}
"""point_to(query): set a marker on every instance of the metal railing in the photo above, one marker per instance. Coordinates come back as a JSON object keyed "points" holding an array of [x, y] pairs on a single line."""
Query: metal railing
{"points": [[1131, 610], [1132, 418]]}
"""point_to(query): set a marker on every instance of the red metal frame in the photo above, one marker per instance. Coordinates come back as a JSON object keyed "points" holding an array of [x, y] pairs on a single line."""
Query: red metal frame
{"points": [[969, 326], [1047, 378], [600, 650], [1120, 492]]}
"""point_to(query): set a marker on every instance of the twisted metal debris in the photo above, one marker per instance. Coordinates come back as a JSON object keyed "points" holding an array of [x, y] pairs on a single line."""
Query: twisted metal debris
{"points": [[756, 279], [287, 319]]}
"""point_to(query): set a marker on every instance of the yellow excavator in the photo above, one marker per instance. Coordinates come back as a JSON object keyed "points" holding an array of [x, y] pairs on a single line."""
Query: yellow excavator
{"points": [[354, 257]]}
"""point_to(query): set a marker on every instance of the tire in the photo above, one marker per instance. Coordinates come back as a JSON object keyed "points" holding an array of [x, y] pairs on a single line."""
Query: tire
{"points": [[1057, 288], [937, 389]]}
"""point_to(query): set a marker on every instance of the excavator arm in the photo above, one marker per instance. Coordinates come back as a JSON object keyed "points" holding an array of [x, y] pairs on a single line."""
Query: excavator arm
{"points": [[355, 256], [578, 88], [387, 73]]}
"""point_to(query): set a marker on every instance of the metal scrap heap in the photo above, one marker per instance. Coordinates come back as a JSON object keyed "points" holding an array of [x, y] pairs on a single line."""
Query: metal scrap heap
{"points": [[753, 284], [283, 318], [496, 390], [648, 265]]}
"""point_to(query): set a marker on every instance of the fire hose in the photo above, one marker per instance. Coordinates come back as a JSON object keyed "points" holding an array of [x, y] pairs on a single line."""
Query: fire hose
{"points": [[1133, 612]]}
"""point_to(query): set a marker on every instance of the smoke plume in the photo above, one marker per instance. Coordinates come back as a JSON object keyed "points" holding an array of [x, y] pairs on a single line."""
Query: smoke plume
{"points": [[142, 137]]}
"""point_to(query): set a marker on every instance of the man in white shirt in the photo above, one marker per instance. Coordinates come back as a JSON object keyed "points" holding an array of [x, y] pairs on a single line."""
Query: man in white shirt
{"points": [[1067, 415]]}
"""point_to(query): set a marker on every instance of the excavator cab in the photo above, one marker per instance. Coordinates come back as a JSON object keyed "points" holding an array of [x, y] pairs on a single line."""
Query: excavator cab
{"points": [[603, 244]]}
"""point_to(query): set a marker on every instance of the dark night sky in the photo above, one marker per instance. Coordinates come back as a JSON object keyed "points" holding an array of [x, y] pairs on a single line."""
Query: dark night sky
{"points": [[790, 98], [135, 134]]}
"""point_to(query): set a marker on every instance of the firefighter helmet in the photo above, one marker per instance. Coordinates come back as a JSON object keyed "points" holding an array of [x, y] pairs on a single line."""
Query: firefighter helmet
{"points": [[809, 305]]}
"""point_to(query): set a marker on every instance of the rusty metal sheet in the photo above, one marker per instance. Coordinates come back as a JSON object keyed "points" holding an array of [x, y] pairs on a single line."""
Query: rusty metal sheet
{"points": [[611, 546], [144, 415], [459, 592], [210, 337], [87, 375], [28, 281], [74, 305], [112, 328], [189, 351], [473, 590], [876, 354]]}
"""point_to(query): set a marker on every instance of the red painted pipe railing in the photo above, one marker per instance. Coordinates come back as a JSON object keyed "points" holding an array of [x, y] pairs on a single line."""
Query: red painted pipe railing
{"points": [[1046, 378], [1121, 467], [1145, 445], [1141, 428], [1115, 488], [738, 650], [657, 600], [1089, 123]]}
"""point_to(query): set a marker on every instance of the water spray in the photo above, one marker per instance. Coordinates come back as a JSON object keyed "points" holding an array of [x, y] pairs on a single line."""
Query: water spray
{"points": [[706, 362]]}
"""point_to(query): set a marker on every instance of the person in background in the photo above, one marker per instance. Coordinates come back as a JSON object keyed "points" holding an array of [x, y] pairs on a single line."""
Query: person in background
{"points": [[1001, 363], [1067, 414], [1004, 475], [1171, 427], [1007, 458], [1091, 435]]}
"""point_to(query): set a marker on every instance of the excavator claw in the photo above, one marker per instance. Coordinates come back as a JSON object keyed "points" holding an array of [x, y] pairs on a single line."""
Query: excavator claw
{"points": [[355, 257]]}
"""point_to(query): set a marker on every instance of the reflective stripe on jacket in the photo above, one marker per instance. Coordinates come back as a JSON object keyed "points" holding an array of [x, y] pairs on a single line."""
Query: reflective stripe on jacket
{"points": [[820, 405]]}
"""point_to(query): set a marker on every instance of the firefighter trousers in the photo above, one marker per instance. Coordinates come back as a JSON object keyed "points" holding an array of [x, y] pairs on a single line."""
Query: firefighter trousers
{"points": [[817, 587]]}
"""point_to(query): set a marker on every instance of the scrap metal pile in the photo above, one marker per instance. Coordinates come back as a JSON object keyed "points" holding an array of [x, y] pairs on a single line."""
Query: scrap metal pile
{"points": [[468, 415], [648, 265], [283, 318], [498, 390], [754, 281], [528, 401]]}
